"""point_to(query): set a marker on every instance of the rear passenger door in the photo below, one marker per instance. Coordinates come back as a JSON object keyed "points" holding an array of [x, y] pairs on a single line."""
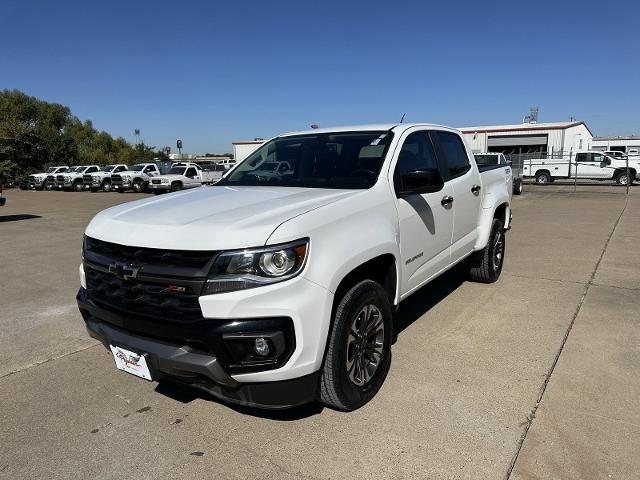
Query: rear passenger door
{"points": [[464, 179], [425, 220]]}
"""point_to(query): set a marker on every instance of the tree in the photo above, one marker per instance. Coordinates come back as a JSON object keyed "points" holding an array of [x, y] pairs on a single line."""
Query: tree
{"points": [[35, 134]]}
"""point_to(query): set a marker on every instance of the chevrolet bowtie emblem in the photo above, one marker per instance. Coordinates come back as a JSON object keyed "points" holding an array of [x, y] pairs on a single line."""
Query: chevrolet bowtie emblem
{"points": [[124, 271]]}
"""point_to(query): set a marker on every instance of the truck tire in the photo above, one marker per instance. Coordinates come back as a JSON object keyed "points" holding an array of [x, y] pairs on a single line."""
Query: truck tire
{"points": [[359, 348], [543, 177], [106, 186], [486, 264], [176, 186], [517, 186], [623, 179], [78, 186], [138, 187]]}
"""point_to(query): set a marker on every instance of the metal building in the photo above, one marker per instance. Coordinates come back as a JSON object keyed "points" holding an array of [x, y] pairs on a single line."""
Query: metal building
{"points": [[530, 138], [243, 149], [629, 144]]}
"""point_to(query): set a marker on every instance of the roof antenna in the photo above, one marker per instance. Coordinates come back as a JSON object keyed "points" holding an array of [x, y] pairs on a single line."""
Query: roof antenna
{"points": [[402, 119]]}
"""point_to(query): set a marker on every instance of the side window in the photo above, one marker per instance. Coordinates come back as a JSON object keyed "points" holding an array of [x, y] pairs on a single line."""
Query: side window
{"points": [[150, 169], [416, 154], [191, 172], [582, 157], [451, 153], [119, 169], [597, 157]]}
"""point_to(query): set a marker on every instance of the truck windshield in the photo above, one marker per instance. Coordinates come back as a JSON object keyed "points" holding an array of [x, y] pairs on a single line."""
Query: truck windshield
{"points": [[340, 160], [53, 169], [177, 171], [80, 169], [108, 168], [137, 168]]}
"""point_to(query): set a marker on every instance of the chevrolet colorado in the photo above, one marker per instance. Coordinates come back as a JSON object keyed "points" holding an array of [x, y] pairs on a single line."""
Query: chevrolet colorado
{"points": [[276, 291]]}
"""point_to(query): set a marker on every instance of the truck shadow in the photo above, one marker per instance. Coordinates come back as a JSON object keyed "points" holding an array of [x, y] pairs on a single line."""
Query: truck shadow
{"points": [[17, 218], [186, 394], [428, 297]]}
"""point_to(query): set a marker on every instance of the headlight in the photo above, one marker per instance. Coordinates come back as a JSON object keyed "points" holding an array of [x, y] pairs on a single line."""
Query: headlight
{"points": [[242, 269], [96, 177]]}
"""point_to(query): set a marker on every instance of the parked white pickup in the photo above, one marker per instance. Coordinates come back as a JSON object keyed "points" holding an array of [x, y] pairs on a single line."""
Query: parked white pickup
{"points": [[587, 164], [277, 291], [181, 176]]}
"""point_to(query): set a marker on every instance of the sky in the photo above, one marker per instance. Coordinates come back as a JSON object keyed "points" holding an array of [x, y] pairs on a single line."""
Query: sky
{"points": [[211, 72]]}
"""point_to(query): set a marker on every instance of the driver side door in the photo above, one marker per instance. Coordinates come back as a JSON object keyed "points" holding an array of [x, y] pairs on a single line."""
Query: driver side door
{"points": [[425, 220]]}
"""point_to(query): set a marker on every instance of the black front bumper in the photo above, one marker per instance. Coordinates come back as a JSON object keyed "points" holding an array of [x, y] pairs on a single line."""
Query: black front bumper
{"points": [[191, 354]]}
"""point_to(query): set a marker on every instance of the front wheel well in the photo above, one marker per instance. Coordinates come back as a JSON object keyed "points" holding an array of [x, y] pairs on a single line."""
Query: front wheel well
{"points": [[381, 269]]}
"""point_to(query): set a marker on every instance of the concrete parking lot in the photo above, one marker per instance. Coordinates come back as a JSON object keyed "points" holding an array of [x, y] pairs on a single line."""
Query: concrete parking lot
{"points": [[535, 376]]}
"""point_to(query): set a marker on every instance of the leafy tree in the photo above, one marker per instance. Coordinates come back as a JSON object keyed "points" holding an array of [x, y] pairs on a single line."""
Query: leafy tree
{"points": [[35, 134]]}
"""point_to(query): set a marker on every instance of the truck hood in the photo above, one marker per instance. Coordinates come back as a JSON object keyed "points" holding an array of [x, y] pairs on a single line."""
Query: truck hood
{"points": [[208, 218]]}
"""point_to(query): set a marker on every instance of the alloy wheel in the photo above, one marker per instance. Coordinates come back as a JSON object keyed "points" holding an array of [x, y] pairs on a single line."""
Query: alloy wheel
{"points": [[365, 345]]}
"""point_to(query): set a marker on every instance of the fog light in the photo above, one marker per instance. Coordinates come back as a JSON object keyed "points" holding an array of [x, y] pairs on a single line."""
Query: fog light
{"points": [[261, 346]]}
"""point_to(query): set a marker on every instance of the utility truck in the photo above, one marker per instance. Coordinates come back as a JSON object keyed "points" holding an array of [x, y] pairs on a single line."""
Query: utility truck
{"points": [[101, 180], [585, 164], [273, 292], [72, 179], [180, 176], [45, 180], [136, 178]]}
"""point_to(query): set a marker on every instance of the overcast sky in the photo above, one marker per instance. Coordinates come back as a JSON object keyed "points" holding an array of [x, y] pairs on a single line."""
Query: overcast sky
{"points": [[213, 72]]}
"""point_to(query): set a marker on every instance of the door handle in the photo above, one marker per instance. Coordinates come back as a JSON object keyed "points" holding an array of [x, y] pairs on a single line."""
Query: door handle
{"points": [[447, 200], [475, 189]]}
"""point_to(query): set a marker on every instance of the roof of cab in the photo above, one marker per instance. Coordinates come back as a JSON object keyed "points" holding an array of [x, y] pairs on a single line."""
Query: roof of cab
{"points": [[364, 128]]}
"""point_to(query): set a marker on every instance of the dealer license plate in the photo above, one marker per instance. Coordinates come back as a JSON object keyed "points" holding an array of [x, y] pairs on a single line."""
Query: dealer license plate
{"points": [[131, 362]]}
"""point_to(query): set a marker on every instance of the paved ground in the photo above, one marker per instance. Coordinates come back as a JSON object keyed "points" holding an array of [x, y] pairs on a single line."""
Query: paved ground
{"points": [[469, 380]]}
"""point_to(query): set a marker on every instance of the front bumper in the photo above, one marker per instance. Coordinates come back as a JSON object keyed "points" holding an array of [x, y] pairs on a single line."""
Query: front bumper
{"points": [[193, 354], [159, 186]]}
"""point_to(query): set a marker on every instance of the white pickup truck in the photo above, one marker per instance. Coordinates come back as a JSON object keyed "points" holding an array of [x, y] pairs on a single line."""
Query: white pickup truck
{"points": [[587, 165], [136, 178], [101, 180], [280, 291], [180, 176], [72, 178], [45, 180]]}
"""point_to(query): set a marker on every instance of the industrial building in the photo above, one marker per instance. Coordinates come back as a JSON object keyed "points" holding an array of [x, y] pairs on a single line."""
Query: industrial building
{"points": [[243, 149], [629, 144], [530, 138]]}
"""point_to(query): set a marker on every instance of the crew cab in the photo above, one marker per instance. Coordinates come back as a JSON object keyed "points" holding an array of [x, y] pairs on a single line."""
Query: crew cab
{"points": [[584, 164], [45, 180], [136, 178], [180, 176], [72, 178], [101, 180], [493, 158], [276, 292]]}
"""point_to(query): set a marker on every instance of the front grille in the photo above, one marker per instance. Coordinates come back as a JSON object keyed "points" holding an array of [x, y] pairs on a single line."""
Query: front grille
{"points": [[156, 181], [32, 179], [87, 178], [51, 178], [135, 297], [143, 256], [60, 179], [116, 178]]}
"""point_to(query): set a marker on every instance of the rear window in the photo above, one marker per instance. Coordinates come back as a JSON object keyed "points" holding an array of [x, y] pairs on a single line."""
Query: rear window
{"points": [[451, 151]]}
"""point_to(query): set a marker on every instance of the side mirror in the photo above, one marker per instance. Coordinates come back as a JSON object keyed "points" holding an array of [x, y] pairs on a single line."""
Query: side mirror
{"points": [[420, 181]]}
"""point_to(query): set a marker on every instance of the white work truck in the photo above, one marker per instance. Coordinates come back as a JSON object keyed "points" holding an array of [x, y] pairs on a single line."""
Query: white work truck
{"points": [[136, 178], [180, 176], [586, 164], [46, 180], [72, 178], [101, 180], [280, 291]]}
